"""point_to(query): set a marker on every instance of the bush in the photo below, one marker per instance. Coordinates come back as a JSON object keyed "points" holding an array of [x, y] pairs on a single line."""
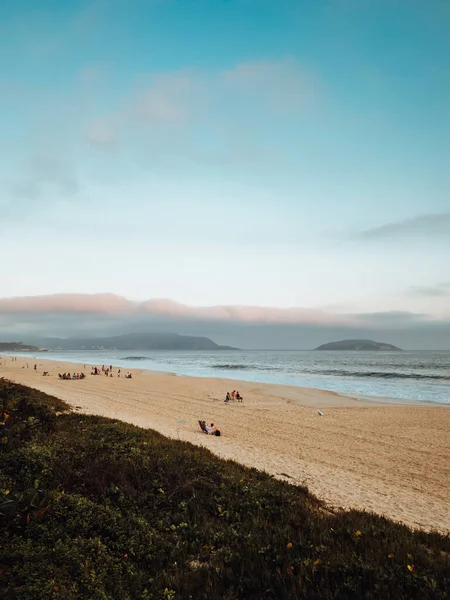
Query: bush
{"points": [[95, 508]]}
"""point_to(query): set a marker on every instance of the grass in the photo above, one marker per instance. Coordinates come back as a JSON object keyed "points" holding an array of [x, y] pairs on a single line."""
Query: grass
{"points": [[94, 508]]}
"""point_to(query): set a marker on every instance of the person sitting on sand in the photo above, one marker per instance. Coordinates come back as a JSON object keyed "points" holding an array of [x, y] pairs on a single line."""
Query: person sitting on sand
{"points": [[233, 394], [228, 397], [212, 429], [208, 429], [238, 397]]}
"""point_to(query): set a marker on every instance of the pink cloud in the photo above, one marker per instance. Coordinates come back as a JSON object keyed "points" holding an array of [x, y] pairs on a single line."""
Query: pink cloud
{"points": [[110, 304], [66, 303]]}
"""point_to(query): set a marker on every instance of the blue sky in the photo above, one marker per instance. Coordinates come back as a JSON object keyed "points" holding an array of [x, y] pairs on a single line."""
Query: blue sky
{"points": [[253, 152]]}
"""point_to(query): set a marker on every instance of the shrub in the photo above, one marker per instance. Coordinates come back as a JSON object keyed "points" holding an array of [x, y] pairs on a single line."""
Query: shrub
{"points": [[95, 508]]}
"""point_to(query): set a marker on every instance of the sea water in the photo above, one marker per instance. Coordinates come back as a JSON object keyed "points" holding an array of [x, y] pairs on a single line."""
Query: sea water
{"points": [[411, 376]]}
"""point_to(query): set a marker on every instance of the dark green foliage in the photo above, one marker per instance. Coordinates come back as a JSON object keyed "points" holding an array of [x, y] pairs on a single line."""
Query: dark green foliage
{"points": [[95, 508]]}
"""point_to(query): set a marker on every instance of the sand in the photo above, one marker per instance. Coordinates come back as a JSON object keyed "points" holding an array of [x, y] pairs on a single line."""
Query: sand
{"points": [[386, 458]]}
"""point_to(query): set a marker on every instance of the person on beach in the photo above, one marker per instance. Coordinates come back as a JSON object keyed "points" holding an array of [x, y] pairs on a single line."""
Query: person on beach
{"points": [[233, 394], [118, 373], [212, 429], [238, 397], [110, 368], [228, 397], [35, 367]]}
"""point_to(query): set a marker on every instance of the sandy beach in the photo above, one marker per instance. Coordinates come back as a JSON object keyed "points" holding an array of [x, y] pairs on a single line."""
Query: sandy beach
{"points": [[387, 458]]}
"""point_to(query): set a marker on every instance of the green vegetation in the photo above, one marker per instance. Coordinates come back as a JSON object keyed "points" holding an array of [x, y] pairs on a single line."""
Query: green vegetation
{"points": [[17, 347], [95, 508]]}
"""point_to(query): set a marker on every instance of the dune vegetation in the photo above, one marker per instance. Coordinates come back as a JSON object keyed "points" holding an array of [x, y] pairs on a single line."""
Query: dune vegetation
{"points": [[95, 508]]}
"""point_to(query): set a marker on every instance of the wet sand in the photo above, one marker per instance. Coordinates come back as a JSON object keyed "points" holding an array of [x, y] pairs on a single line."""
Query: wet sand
{"points": [[392, 459]]}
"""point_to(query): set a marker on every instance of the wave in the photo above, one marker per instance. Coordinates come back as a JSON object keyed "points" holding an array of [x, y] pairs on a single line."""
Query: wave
{"points": [[255, 368], [135, 358], [335, 372], [236, 367], [384, 375]]}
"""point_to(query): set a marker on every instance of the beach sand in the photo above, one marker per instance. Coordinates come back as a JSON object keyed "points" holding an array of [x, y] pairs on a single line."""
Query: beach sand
{"points": [[386, 458]]}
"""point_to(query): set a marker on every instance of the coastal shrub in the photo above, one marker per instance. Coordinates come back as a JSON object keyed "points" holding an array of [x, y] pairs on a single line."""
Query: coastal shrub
{"points": [[95, 508]]}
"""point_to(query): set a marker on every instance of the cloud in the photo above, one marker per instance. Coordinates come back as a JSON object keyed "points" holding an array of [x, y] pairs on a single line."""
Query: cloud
{"points": [[440, 290], [423, 226], [101, 133], [46, 173], [280, 84], [215, 103], [83, 315], [394, 318], [110, 304]]}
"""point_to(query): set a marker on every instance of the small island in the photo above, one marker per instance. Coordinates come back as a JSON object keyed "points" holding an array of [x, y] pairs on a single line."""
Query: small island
{"points": [[360, 345]]}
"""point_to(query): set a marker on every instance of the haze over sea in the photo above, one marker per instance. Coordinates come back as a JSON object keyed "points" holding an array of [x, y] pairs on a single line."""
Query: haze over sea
{"points": [[410, 376]]}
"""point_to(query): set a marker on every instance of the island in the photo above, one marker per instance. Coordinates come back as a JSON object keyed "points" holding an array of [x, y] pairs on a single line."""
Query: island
{"points": [[360, 345], [18, 347]]}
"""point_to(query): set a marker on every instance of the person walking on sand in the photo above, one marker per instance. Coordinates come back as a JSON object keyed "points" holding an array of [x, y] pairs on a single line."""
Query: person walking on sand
{"points": [[35, 367]]}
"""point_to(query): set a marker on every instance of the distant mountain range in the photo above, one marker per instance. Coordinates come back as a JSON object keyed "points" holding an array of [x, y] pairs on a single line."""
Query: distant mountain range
{"points": [[135, 341], [361, 345]]}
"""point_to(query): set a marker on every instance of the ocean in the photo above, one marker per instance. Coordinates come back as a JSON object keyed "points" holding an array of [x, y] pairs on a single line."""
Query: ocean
{"points": [[410, 376]]}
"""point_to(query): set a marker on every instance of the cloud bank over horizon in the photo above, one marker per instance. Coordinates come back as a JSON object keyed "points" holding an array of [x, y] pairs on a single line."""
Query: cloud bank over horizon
{"points": [[97, 315], [234, 156]]}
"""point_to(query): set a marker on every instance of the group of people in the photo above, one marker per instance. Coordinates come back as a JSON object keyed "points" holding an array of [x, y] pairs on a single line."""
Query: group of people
{"points": [[69, 376], [209, 429], [109, 372], [233, 396]]}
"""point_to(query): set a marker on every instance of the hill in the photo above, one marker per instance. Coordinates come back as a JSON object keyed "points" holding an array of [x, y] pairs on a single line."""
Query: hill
{"points": [[95, 508], [136, 341], [361, 345], [17, 347]]}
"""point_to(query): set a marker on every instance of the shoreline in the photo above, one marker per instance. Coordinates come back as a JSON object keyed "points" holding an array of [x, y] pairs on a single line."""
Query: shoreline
{"points": [[366, 399], [388, 458]]}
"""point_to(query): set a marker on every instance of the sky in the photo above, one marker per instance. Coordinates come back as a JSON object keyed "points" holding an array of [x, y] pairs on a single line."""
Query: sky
{"points": [[287, 161]]}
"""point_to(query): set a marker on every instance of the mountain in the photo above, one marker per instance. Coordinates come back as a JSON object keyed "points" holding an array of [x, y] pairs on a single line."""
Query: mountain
{"points": [[136, 341], [17, 347], [361, 345]]}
